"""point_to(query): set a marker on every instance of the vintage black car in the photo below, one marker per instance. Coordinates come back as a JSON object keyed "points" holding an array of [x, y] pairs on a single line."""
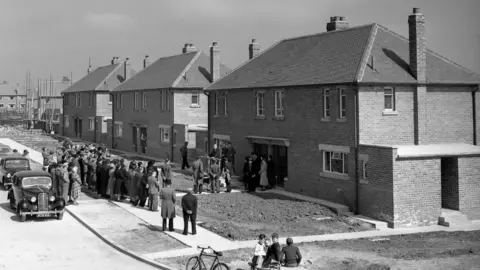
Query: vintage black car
{"points": [[9, 165], [32, 194]]}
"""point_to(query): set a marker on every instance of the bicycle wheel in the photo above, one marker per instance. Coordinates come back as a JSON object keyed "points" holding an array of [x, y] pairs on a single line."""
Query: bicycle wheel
{"points": [[221, 266], [193, 263]]}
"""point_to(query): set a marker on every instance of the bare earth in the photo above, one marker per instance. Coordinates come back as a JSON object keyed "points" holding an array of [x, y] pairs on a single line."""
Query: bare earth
{"points": [[243, 216], [437, 250]]}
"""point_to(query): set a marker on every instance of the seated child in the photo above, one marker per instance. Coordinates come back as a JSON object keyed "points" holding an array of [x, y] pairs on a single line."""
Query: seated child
{"points": [[260, 251]]}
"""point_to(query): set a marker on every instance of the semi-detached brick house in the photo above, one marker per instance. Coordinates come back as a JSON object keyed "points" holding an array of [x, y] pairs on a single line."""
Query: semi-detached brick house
{"points": [[87, 104], [361, 116], [163, 105]]}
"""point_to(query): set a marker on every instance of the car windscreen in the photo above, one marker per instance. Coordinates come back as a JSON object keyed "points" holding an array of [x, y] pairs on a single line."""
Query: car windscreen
{"points": [[4, 150], [16, 164], [37, 181]]}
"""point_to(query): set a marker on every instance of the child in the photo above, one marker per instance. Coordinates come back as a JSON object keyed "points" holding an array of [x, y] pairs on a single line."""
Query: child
{"points": [[260, 253]]}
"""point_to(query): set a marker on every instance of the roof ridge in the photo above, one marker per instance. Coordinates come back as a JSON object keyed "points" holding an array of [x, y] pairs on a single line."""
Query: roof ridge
{"points": [[244, 63], [450, 61], [368, 50], [328, 32], [108, 76], [187, 67]]}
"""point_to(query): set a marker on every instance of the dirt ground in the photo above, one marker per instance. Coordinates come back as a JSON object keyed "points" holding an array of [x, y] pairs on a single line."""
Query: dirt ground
{"points": [[436, 250], [243, 216]]}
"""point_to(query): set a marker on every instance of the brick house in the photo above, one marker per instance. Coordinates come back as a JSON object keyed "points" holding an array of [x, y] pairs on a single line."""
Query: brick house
{"points": [[360, 116], [87, 104], [12, 97], [163, 105]]}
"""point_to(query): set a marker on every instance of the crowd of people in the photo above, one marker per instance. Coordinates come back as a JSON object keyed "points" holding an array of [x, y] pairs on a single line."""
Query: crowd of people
{"points": [[269, 253], [258, 171]]}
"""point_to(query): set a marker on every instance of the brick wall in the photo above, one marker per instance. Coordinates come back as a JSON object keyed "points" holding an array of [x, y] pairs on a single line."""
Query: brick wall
{"points": [[152, 117], [417, 192], [450, 191], [477, 110], [186, 113], [448, 113], [104, 106], [303, 126], [376, 128], [84, 112], [469, 186], [376, 190]]}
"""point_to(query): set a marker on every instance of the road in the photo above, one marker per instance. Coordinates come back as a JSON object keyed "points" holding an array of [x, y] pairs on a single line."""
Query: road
{"points": [[55, 244]]}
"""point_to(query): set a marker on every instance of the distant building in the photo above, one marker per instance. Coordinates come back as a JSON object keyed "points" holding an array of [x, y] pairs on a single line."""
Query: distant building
{"points": [[87, 104], [48, 98], [360, 116], [12, 97], [163, 106]]}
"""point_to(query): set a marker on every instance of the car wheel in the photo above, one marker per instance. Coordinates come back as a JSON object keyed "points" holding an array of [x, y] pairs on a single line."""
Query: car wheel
{"points": [[23, 218], [12, 203], [60, 216]]}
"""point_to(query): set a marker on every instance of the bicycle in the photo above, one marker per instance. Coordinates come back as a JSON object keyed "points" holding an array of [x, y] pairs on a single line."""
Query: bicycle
{"points": [[196, 262]]}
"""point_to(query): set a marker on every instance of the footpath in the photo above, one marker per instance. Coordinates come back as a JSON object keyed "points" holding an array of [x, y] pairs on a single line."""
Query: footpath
{"points": [[137, 232]]}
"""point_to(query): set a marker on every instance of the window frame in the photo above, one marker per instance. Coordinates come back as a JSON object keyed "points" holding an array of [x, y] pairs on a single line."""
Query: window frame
{"points": [[144, 100], [195, 104], [118, 129], [364, 169], [91, 124], [326, 102], [135, 101], [163, 131], [342, 109], [217, 103], [261, 108], [66, 121], [277, 107], [225, 103], [344, 156], [392, 95]]}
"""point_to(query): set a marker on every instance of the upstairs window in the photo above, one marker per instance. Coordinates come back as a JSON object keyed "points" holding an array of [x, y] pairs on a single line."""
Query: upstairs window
{"points": [[78, 99], [135, 101], [326, 103], [217, 98], [118, 129], [342, 103], [389, 98], [144, 101], [195, 100], [225, 103], [279, 111], [260, 106]]}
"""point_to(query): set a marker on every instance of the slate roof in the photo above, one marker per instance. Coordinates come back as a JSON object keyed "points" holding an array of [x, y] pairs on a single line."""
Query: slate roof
{"points": [[92, 80], [187, 70], [340, 57]]}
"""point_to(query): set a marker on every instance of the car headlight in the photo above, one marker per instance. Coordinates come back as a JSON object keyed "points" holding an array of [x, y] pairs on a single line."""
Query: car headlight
{"points": [[52, 198], [8, 175], [33, 199]]}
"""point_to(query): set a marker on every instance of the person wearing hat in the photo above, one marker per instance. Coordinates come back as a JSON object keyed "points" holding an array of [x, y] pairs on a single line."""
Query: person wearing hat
{"points": [[214, 172], [167, 195], [189, 207], [197, 168], [291, 255], [153, 191], [166, 171], [132, 189]]}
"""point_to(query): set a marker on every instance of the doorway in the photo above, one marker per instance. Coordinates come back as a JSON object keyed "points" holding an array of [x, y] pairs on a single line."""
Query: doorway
{"points": [[280, 159], [135, 139], [449, 176], [260, 149], [143, 139]]}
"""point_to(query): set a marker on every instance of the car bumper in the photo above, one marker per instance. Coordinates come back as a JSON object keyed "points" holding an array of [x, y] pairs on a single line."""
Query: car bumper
{"points": [[7, 184], [42, 213]]}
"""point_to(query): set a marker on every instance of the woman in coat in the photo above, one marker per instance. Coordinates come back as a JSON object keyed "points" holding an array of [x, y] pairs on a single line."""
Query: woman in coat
{"points": [[263, 173], [111, 180], [132, 171], [76, 184], [141, 181], [167, 195]]}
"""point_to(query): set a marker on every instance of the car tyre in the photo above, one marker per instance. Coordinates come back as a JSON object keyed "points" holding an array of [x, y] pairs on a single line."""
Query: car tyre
{"points": [[60, 216], [23, 218], [12, 203]]}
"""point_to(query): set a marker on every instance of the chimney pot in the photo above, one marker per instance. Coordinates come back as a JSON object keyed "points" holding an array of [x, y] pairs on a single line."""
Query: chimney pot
{"points": [[416, 10], [146, 61], [189, 47], [214, 43], [126, 68], [337, 23], [254, 41], [343, 18]]}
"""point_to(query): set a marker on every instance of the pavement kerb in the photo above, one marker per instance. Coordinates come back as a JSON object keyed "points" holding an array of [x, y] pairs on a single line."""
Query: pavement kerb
{"points": [[120, 247]]}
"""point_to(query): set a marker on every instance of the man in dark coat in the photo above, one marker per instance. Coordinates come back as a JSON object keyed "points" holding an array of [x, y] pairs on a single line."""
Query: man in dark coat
{"points": [[166, 172], [197, 167], [255, 180], [274, 252], [189, 206], [167, 195], [214, 172], [55, 178], [184, 152]]}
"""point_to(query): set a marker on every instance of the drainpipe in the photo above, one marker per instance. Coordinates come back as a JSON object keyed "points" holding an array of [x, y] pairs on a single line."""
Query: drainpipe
{"points": [[113, 120], [474, 105], [209, 130], [357, 155]]}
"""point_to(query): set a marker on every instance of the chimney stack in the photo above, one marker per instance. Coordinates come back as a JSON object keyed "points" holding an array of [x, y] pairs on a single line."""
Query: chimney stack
{"points": [[115, 60], [337, 23], [417, 44], [418, 67], [126, 68], [188, 48], [89, 69], [253, 49], [146, 61], [215, 61]]}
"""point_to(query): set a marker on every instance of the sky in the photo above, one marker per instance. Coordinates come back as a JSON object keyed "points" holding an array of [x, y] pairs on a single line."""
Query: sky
{"points": [[59, 37]]}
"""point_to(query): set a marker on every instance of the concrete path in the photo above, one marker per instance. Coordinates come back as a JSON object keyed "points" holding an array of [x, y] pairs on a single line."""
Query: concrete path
{"points": [[55, 244]]}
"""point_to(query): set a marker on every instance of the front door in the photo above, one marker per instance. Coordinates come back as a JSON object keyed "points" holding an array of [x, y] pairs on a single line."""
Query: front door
{"points": [[450, 187], [260, 149], [134, 139], [280, 161], [80, 125], [143, 139]]}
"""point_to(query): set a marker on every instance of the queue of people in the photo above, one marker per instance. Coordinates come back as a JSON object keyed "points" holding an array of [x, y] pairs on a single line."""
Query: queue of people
{"points": [[269, 252]]}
